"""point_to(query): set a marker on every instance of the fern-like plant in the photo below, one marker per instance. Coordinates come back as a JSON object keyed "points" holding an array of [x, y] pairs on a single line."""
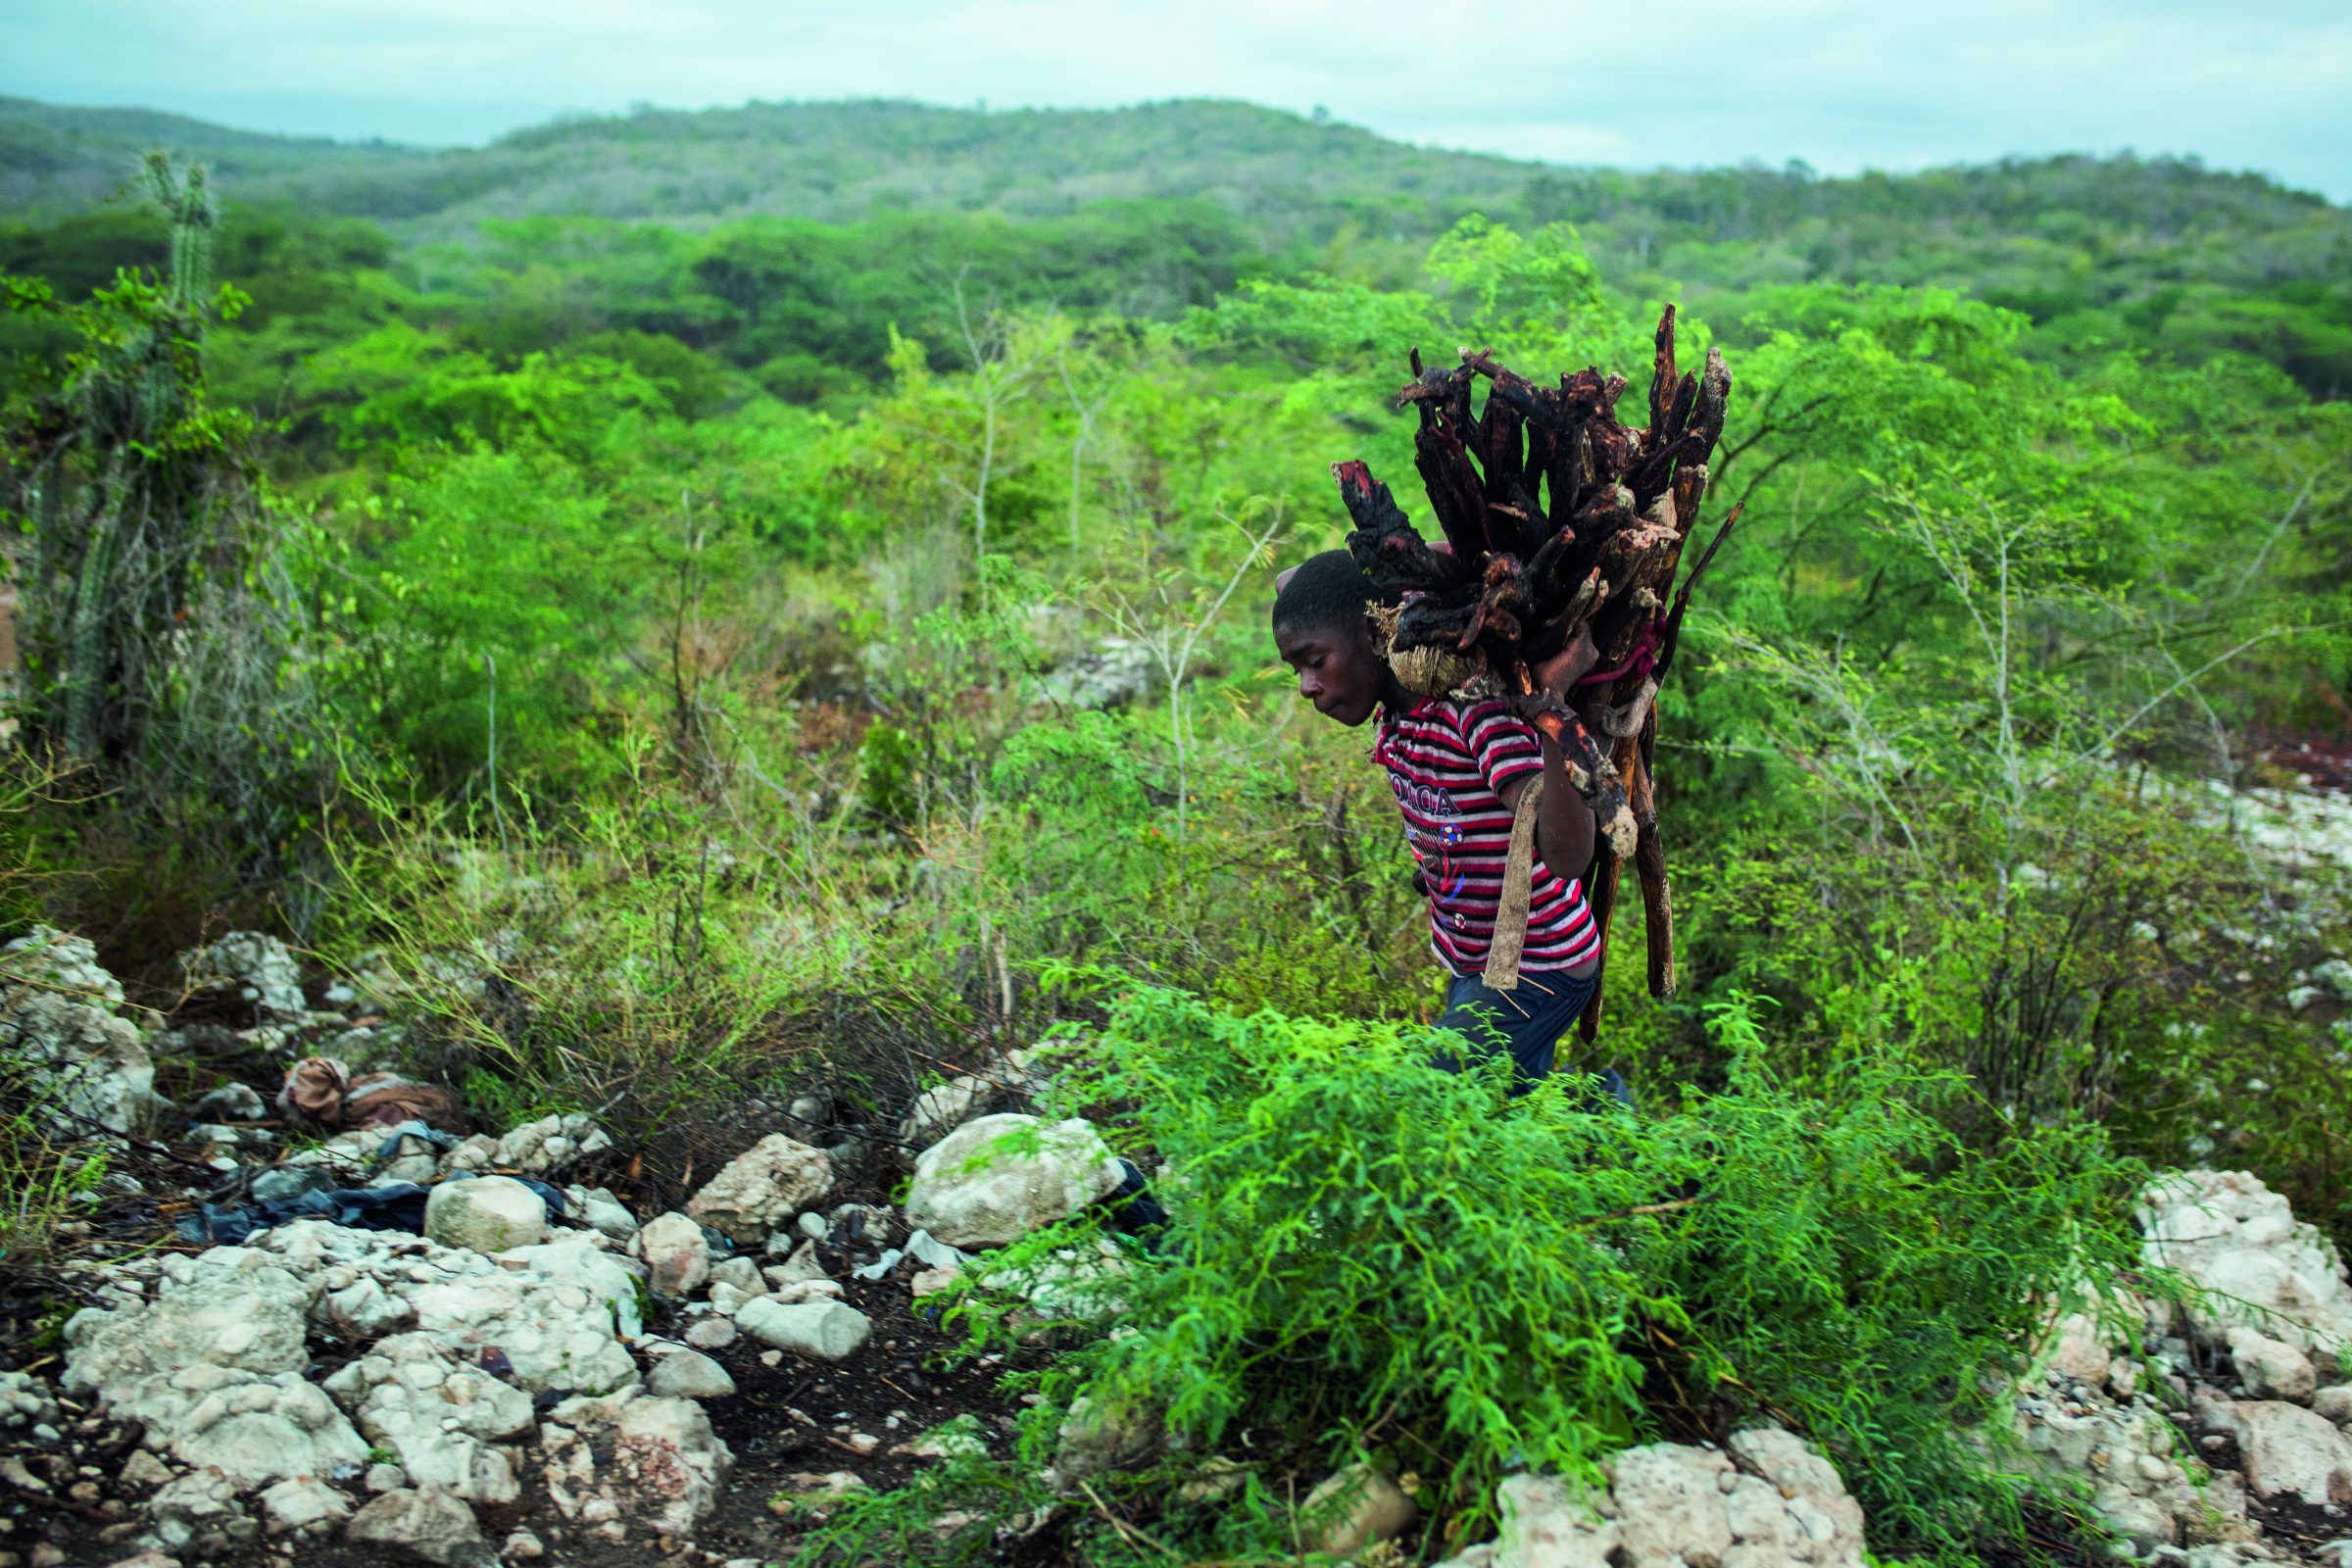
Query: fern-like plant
{"points": [[1371, 1258]]}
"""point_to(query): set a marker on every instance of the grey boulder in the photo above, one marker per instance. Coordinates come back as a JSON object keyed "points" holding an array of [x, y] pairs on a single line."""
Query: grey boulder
{"points": [[58, 1013], [441, 1416], [2291, 1451], [825, 1330], [251, 965], [677, 1258], [688, 1375], [997, 1179], [485, 1214], [426, 1521], [759, 1191]]}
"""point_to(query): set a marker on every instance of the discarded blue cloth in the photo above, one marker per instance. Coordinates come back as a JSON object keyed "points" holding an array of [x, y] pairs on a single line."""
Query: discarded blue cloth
{"points": [[398, 1208], [1131, 1212], [389, 1150]]}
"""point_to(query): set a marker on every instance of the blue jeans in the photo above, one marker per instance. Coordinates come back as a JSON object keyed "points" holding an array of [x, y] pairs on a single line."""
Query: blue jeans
{"points": [[1527, 1023]]}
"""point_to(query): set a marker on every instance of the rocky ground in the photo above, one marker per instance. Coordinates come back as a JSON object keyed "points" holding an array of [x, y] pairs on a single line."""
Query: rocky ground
{"points": [[564, 1368]]}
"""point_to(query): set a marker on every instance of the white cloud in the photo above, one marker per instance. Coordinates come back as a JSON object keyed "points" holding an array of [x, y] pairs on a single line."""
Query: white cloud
{"points": [[1844, 84]]}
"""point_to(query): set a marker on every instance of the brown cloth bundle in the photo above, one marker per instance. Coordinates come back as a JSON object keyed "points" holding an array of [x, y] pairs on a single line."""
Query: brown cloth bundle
{"points": [[321, 1091]]}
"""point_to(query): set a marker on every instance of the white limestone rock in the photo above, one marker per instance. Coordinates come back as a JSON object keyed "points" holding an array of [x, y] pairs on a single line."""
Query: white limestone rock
{"points": [[146, 1472], [805, 1291], [2270, 1368], [485, 1214], [2291, 1451], [944, 1108], [2143, 1480], [213, 1362], [997, 1179], [25, 1404], [600, 1209], [557, 1335], [860, 1225], [2078, 1348], [575, 1259], [1352, 1509], [213, 1366], [664, 1467], [688, 1375], [713, 1333], [58, 1013], [803, 1263], [538, 1146], [742, 1273], [758, 1192], [678, 1257], [2240, 1243], [251, 1427], [441, 1417], [253, 966], [231, 1102], [1670, 1506], [825, 1330], [346, 1157], [727, 1300], [199, 1514], [414, 1160], [1546, 1522], [304, 1506], [1671, 1503], [1812, 1498], [554, 1311], [427, 1521], [471, 1156]]}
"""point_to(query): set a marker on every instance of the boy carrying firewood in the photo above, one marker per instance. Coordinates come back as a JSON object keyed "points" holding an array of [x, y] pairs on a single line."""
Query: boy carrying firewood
{"points": [[1500, 834]]}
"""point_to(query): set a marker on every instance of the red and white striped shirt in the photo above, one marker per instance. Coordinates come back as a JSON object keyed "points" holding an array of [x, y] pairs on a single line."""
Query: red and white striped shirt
{"points": [[1447, 761]]}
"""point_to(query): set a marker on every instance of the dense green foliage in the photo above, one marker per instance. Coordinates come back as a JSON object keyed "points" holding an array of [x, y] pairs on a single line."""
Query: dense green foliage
{"points": [[1454, 1285], [766, 640]]}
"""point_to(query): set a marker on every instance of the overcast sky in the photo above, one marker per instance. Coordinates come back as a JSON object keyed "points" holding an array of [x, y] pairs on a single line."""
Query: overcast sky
{"points": [[1844, 84]]}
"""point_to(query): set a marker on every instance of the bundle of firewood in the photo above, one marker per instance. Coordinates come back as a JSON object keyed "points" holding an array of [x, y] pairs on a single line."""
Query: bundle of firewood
{"points": [[1558, 518]]}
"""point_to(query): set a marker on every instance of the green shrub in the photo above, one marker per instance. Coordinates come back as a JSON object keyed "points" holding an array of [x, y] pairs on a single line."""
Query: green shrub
{"points": [[44, 1176], [618, 959], [1373, 1256]]}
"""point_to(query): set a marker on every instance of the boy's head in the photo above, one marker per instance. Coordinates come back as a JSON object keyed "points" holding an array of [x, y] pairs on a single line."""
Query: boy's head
{"points": [[1322, 631]]}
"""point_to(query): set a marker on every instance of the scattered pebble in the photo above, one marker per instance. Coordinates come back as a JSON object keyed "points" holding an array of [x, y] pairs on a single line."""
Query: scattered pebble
{"points": [[711, 1333]]}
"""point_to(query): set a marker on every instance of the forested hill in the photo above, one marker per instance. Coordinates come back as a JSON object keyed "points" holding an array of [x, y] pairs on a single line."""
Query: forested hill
{"points": [[836, 161], [1183, 196], [845, 161]]}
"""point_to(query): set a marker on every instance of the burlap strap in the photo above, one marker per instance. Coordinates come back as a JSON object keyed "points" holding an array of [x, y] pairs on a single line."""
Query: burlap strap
{"points": [[1518, 879]]}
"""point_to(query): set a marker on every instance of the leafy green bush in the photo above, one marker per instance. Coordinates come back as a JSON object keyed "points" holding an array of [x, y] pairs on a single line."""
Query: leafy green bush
{"points": [[1373, 1256]]}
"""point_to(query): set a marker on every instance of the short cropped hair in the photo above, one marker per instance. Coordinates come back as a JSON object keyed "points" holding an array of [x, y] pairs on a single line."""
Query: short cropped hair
{"points": [[1326, 590]]}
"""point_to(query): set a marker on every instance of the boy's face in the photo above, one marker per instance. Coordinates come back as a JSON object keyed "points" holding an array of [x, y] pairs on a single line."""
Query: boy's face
{"points": [[1339, 670]]}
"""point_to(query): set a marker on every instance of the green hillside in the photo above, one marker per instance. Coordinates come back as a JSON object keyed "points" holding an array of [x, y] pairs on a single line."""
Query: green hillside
{"points": [[831, 160], [56, 159], [2101, 253]]}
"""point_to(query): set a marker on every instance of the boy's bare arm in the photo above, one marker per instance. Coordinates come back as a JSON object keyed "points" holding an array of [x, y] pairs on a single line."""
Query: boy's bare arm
{"points": [[1565, 827]]}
